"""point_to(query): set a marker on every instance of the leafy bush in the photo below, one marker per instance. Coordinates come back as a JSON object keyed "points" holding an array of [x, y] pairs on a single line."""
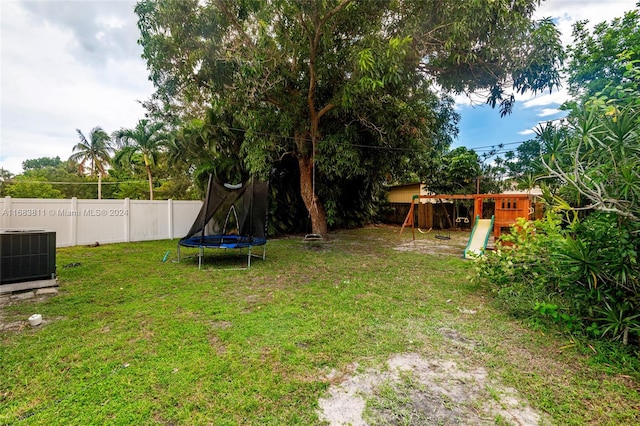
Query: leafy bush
{"points": [[522, 270], [583, 278], [579, 266], [600, 259]]}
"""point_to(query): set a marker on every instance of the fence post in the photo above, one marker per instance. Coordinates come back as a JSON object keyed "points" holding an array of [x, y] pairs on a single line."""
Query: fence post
{"points": [[170, 207], [6, 219], [127, 221], [74, 221]]}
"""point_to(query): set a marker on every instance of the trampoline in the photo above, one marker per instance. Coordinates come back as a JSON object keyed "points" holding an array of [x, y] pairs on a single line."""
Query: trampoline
{"points": [[232, 217], [223, 242]]}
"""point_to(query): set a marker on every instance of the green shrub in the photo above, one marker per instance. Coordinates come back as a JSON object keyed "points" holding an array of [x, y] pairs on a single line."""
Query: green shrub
{"points": [[600, 259], [583, 278], [522, 270], [578, 267]]}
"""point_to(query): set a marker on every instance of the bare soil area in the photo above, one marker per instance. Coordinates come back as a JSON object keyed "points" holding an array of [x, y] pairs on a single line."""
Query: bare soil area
{"points": [[414, 390], [434, 242], [9, 323]]}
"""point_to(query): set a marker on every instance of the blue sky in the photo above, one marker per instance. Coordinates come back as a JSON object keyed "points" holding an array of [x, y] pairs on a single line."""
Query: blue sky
{"points": [[481, 127], [75, 64]]}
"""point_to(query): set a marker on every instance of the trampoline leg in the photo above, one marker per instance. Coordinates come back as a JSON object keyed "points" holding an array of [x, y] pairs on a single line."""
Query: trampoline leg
{"points": [[249, 259], [200, 254], [264, 252]]}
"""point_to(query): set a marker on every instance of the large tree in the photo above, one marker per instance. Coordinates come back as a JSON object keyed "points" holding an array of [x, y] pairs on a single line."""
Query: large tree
{"points": [[456, 173], [346, 87], [96, 150]]}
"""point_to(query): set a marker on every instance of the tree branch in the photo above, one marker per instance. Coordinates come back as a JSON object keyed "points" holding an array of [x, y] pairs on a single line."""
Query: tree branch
{"points": [[224, 7]]}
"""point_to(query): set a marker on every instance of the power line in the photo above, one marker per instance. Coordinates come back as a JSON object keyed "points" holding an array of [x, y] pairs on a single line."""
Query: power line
{"points": [[379, 147], [498, 145], [482, 151], [73, 183]]}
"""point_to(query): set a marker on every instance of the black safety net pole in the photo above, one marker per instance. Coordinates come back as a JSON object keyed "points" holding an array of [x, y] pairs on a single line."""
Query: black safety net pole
{"points": [[206, 203]]}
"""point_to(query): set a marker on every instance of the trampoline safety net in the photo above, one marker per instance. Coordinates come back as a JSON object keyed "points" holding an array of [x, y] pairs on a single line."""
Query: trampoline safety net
{"points": [[232, 216]]}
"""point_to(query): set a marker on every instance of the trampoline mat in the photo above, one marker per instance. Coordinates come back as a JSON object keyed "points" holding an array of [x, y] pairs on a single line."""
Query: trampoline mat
{"points": [[223, 241]]}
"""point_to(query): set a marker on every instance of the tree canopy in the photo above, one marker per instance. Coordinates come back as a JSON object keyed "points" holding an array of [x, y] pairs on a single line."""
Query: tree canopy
{"points": [[606, 58], [349, 89], [603, 71], [41, 163], [146, 139], [96, 150]]}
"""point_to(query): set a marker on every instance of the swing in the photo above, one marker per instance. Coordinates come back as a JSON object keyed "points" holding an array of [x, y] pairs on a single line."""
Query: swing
{"points": [[443, 234], [463, 220], [312, 237]]}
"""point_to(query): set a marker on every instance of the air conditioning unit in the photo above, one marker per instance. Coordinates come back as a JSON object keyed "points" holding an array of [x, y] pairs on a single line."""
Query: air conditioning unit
{"points": [[26, 256]]}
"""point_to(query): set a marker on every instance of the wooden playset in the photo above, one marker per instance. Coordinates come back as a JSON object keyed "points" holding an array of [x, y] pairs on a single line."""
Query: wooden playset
{"points": [[504, 208]]}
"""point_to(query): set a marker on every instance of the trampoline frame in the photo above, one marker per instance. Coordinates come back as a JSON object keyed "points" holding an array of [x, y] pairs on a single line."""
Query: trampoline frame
{"points": [[224, 242]]}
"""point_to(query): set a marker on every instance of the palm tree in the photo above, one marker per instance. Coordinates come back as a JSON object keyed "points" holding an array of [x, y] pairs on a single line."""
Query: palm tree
{"points": [[95, 150], [146, 139]]}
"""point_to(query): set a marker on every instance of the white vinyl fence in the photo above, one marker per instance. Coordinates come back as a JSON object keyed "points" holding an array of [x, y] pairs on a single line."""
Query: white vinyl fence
{"points": [[80, 222]]}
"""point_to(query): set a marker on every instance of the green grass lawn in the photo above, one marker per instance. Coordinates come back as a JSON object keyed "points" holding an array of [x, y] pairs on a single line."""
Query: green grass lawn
{"points": [[130, 339]]}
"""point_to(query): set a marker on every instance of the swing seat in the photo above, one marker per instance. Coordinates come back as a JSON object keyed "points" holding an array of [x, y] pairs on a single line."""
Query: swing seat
{"points": [[313, 237]]}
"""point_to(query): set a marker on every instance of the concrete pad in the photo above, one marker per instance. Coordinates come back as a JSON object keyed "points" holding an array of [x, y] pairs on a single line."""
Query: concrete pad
{"points": [[28, 285], [47, 290], [23, 296]]}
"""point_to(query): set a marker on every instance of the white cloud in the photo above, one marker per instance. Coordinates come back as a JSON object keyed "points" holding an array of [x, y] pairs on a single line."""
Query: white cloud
{"points": [[556, 122], [567, 12], [54, 81], [469, 100], [527, 132], [101, 29], [546, 112], [554, 98], [111, 21]]}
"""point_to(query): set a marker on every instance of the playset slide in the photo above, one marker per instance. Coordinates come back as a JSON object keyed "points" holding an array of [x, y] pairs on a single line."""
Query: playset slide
{"points": [[479, 237]]}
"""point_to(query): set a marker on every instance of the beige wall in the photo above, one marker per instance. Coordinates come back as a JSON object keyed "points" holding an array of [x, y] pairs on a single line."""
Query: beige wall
{"points": [[403, 194]]}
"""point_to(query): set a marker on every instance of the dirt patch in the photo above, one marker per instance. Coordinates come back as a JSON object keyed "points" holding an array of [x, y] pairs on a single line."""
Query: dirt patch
{"points": [[11, 322], [416, 390], [435, 242], [6, 325], [456, 339]]}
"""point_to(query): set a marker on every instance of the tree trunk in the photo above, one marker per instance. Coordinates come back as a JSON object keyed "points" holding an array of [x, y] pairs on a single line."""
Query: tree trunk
{"points": [[99, 185], [150, 182], [311, 201]]}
